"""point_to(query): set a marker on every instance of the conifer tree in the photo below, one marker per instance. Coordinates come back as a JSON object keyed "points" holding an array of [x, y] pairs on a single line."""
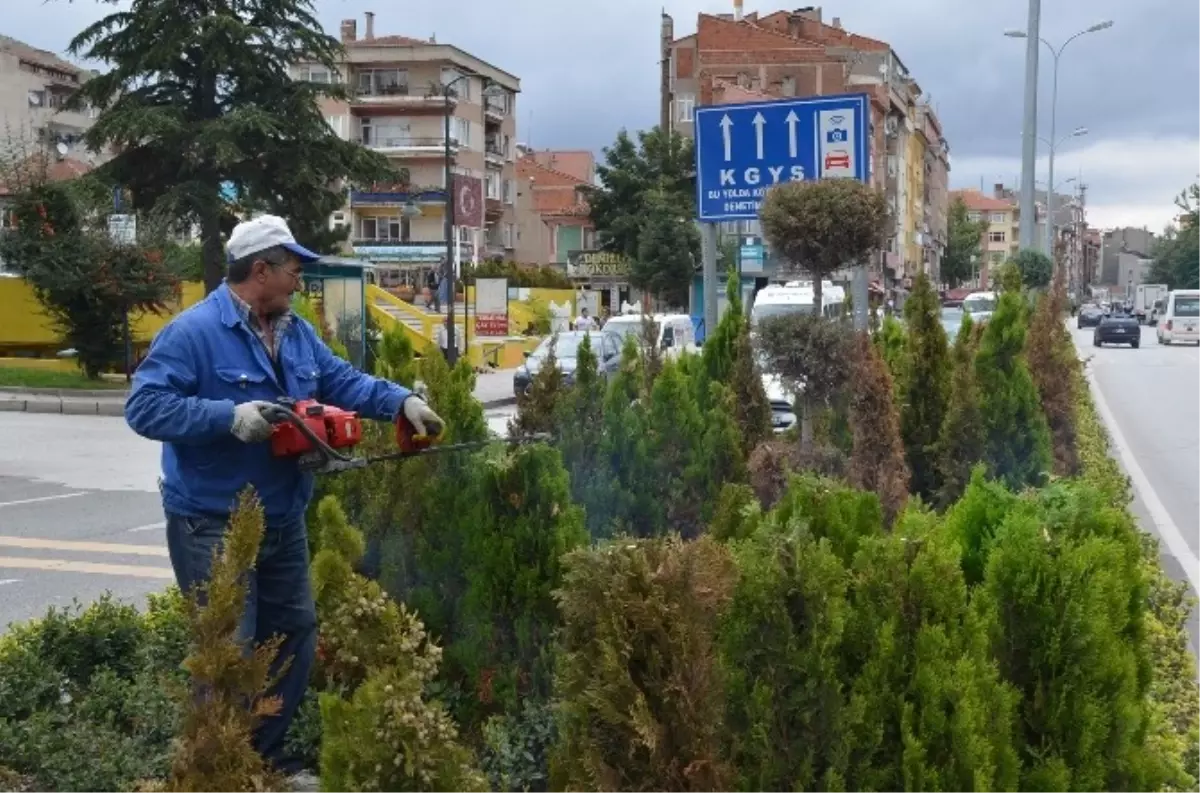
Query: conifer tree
{"points": [[877, 460], [539, 409], [1053, 365], [925, 387], [893, 346], [1016, 439], [960, 442], [675, 431], [582, 441]]}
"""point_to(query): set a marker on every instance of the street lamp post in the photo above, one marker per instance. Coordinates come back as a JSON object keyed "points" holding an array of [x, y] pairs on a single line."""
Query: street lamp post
{"points": [[1029, 135], [491, 88], [1053, 145], [1031, 130], [451, 341]]}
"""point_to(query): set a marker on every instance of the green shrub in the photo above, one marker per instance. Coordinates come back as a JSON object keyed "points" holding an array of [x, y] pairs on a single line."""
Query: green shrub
{"points": [[924, 390], [517, 747], [639, 699], [960, 445]]}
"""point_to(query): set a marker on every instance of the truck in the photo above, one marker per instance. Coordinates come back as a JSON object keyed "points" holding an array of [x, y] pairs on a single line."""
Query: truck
{"points": [[1144, 299]]}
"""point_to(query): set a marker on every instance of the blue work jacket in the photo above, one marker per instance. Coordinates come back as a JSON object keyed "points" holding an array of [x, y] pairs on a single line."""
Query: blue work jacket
{"points": [[205, 361]]}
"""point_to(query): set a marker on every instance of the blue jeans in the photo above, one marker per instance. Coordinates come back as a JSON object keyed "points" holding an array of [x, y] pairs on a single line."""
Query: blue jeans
{"points": [[279, 602]]}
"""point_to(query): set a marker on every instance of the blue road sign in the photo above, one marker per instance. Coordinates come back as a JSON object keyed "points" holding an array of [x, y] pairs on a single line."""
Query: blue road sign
{"points": [[742, 150]]}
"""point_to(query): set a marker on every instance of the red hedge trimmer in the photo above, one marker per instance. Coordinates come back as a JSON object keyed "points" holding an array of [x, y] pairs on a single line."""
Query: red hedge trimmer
{"points": [[321, 435]]}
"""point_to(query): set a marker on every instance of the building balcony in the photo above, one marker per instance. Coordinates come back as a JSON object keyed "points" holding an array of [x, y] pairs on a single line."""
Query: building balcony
{"points": [[401, 96], [494, 109], [494, 207], [494, 154], [396, 196], [411, 145]]}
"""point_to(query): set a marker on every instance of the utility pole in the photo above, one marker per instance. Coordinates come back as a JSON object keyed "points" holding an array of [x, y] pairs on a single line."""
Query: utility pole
{"points": [[1029, 136]]}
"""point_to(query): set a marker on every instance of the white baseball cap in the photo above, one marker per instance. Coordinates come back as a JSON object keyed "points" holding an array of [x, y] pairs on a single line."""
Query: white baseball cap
{"points": [[263, 232]]}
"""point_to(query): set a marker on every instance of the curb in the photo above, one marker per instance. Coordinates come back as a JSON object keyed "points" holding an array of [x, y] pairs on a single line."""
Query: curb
{"points": [[81, 393]]}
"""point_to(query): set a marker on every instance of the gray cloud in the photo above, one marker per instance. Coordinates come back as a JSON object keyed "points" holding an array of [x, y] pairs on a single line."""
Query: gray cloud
{"points": [[590, 69]]}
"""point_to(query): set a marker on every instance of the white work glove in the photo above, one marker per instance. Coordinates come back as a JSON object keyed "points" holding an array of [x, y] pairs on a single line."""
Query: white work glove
{"points": [[422, 418], [249, 424]]}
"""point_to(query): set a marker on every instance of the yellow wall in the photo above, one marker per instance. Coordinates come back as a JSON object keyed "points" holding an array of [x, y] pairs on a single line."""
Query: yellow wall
{"points": [[23, 323], [915, 160]]}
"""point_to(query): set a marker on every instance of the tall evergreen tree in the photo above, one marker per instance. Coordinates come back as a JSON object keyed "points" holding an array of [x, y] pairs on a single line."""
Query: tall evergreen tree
{"points": [[1053, 365], [1016, 438], [668, 250], [199, 94], [877, 458], [925, 387], [960, 444]]}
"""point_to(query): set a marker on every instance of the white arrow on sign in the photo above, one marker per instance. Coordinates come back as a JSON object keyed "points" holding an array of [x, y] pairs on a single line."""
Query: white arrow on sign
{"points": [[725, 125], [759, 122], [792, 120]]}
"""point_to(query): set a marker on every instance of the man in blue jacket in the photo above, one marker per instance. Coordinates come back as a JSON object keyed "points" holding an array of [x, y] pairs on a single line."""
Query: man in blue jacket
{"points": [[201, 391]]}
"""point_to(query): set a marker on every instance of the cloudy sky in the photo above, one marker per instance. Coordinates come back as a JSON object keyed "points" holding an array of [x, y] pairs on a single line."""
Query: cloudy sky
{"points": [[588, 69]]}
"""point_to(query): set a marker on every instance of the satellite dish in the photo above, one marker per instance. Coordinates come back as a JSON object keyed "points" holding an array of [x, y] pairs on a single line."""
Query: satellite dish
{"points": [[61, 148]]}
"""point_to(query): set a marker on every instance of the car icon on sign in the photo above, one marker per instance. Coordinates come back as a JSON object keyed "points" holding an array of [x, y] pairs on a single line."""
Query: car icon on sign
{"points": [[838, 158]]}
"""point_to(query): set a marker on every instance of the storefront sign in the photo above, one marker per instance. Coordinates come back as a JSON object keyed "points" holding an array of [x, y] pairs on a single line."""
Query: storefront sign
{"points": [[400, 253], [491, 324], [598, 265]]}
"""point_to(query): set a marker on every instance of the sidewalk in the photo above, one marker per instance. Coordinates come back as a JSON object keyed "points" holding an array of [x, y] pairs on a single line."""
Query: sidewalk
{"points": [[493, 389]]}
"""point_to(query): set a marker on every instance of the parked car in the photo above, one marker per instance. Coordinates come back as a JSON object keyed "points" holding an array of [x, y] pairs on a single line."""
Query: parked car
{"points": [[676, 336], [605, 346], [1089, 316], [980, 305], [1118, 328], [1180, 320]]}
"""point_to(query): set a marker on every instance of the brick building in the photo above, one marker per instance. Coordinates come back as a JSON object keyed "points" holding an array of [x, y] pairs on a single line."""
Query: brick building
{"points": [[746, 57], [559, 221]]}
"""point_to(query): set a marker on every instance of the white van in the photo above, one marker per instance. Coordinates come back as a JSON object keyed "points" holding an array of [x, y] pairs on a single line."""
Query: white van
{"points": [[1180, 320], [796, 297], [676, 335], [980, 305]]}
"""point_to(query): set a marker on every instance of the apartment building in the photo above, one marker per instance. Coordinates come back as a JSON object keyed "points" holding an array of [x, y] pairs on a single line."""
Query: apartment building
{"points": [[747, 57], [402, 91], [1120, 249], [557, 182], [1000, 240], [34, 87]]}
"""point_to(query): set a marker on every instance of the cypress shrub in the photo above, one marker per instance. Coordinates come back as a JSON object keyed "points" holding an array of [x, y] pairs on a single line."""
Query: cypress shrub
{"points": [[924, 390]]}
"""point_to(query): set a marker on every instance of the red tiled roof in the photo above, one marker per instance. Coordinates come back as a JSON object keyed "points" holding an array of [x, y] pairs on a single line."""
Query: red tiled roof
{"points": [[979, 202], [578, 163], [56, 171]]}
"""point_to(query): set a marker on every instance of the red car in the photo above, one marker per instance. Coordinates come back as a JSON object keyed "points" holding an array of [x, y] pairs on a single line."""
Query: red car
{"points": [[838, 158]]}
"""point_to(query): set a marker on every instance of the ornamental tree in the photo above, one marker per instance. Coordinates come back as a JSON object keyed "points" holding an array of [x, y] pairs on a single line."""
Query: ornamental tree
{"points": [[197, 94], [963, 245], [87, 283], [1052, 364], [824, 226], [877, 458], [960, 443]]}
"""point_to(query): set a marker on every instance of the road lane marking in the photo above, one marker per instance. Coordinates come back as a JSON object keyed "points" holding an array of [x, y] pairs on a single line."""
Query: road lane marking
{"points": [[4, 581], [148, 527], [39, 500], [64, 566], [1141, 484], [86, 547]]}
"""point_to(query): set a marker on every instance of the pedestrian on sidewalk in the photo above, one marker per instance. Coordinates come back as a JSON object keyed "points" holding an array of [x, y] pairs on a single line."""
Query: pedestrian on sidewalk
{"points": [[202, 391], [433, 282], [584, 321]]}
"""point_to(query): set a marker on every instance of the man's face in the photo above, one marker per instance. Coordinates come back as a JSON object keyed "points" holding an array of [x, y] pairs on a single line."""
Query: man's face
{"points": [[278, 282]]}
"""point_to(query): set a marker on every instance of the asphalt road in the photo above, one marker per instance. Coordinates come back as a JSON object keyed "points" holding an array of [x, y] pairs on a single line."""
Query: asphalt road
{"points": [[1150, 399], [80, 512]]}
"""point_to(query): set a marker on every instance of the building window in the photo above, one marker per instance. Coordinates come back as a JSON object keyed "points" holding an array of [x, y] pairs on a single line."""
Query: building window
{"points": [[337, 124], [685, 106], [589, 239], [316, 74], [383, 82], [788, 88], [999, 217], [460, 131], [462, 88], [493, 185], [508, 235], [973, 217], [385, 229], [507, 189], [996, 236]]}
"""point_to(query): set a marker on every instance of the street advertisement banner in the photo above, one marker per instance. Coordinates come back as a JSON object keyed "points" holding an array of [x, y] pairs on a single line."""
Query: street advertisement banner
{"points": [[491, 307]]}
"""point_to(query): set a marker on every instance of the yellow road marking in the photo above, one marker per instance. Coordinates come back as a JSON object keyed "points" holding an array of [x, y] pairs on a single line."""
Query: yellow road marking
{"points": [[78, 545], [64, 566]]}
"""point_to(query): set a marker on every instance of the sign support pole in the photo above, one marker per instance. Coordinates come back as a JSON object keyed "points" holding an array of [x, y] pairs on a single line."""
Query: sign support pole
{"points": [[708, 253], [861, 298]]}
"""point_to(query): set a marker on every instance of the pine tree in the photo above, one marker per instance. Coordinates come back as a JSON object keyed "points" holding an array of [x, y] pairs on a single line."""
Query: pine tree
{"points": [[1053, 365], [925, 388], [675, 432], [582, 442], [538, 410], [877, 460], [893, 346], [1016, 438]]}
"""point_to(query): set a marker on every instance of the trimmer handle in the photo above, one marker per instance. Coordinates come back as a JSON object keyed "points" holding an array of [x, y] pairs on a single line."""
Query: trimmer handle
{"points": [[409, 441]]}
